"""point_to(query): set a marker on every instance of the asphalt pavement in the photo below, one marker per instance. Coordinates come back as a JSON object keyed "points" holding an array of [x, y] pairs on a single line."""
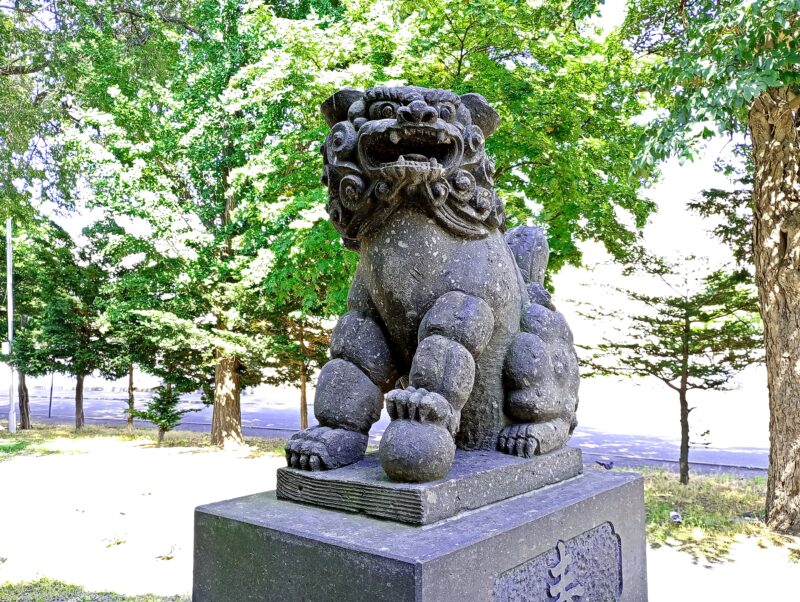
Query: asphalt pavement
{"points": [[276, 414]]}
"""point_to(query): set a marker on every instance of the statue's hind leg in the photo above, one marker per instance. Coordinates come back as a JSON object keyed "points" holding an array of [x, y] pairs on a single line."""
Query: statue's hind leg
{"points": [[541, 376], [349, 396]]}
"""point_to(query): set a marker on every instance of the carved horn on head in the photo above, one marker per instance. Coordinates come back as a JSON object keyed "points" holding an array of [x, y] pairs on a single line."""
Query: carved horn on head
{"points": [[335, 108], [483, 115]]}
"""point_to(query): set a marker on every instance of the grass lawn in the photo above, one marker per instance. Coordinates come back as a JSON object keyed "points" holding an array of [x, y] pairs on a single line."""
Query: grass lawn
{"points": [[716, 512], [46, 590], [45, 439], [114, 513]]}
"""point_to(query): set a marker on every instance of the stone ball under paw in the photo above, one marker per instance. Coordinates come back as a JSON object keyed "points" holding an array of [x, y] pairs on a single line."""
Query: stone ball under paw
{"points": [[414, 452]]}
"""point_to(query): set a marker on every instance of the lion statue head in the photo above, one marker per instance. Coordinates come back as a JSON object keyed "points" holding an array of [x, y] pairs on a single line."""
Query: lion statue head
{"points": [[390, 146]]}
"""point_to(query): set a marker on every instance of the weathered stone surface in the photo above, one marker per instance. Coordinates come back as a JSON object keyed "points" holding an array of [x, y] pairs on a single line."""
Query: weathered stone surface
{"points": [[346, 397], [588, 565], [529, 439], [423, 405], [259, 548], [546, 324], [412, 451], [534, 404], [445, 367], [476, 479], [531, 252], [462, 318], [324, 448], [410, 188], [527, 363], [358, 339], [540, 296]]}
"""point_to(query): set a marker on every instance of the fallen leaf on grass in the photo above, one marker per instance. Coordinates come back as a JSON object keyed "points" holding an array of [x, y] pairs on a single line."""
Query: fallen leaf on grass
{"points": [[115, 542]]}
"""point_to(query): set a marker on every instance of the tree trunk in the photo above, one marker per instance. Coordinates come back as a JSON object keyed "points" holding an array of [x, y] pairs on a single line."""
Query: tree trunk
{"points": [[303, 398], [79, 420], [161, 433], [24, 402], [776, 251], [684, 458], [226, 422], [683, 461], [131, 400]]}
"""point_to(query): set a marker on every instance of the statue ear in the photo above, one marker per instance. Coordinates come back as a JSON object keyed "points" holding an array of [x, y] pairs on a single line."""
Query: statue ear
{"points": [[335, 108], [484, 116]]}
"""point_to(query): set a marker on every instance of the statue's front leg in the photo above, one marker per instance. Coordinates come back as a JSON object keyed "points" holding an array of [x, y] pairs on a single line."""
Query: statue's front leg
{"points": [[349, 396], [419, 443]]}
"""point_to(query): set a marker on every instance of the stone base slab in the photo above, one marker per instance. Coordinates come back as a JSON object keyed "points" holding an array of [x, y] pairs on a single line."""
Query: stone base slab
{"points": [[582, 539], [477, 478]]}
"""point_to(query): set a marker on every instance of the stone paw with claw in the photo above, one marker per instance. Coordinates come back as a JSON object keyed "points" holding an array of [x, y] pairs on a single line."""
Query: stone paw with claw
{"points": [[324, 448], [532, 439], [422, 405]]}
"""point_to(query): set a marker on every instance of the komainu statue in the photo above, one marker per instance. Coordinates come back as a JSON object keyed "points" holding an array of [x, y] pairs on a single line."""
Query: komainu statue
{"points": [[448, 318]]}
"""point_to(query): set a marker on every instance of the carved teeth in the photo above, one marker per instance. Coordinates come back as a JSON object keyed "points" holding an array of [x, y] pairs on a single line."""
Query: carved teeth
{"points": [[441, 137], [401, 159], [434, 162], [394, 137]]}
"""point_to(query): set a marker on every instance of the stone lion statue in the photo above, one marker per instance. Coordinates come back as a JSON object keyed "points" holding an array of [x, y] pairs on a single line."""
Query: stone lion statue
{"points": [[448, 317]]}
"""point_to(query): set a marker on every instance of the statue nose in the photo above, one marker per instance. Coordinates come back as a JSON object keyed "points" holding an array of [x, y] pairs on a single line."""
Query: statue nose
{"points": [[417, 112]]}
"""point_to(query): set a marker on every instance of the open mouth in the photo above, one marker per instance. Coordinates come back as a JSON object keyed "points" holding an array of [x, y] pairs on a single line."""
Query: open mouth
{"points": [[412, 147]]}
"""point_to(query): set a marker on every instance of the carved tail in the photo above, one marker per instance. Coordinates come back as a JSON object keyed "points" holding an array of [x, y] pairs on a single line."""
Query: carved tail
{"points": [[531, 252]]}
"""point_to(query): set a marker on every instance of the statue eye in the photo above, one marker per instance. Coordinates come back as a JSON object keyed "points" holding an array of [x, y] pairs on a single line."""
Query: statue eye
{"points": [[447, 112], [382, 110]]}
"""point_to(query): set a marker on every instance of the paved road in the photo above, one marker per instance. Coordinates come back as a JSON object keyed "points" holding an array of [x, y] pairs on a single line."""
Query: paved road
{"points": [[278, 416]]}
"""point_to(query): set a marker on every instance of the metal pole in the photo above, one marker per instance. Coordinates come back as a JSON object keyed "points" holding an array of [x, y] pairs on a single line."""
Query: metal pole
{"points": [[12, 410], [50, 405]]}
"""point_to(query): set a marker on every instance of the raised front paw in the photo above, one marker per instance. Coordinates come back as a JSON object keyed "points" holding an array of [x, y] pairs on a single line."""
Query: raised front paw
{"points": [[533, 439], [423, 406], [324, 448]]}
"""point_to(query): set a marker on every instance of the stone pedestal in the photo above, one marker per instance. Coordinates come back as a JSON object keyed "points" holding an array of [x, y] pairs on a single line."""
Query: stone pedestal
{"points": [[476, 479], [582, 539]]}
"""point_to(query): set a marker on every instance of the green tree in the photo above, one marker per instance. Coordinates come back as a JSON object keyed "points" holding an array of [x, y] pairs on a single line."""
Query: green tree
{"points": [[43, 258], [297, 306], [201, 119], [732, 207], [566, 144], [696, 337], [158, 145], [61, 331], [25, 115], [299, 346], [45, 76], [561, 163], [162, 410], [138, 280], [735, 66], [36, 252]]}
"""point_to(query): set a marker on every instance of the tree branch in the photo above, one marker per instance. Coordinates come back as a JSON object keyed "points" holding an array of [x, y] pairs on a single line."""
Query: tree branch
{"points": [[20, 70], [125, 10]]}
